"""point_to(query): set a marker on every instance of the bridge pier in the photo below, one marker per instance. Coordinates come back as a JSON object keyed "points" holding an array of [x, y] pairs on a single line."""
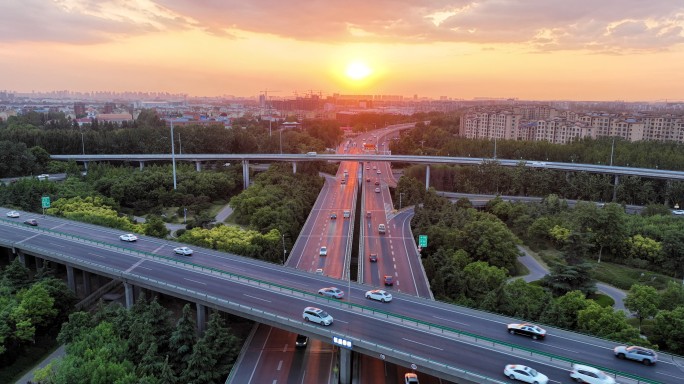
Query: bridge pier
{"points": [[615, 185], [142, 165], [245, 174], [201, 319], [427, 177], [129, 295], [39, 263], [22, 258], [198, 166], [71, 279], [294, 167], [86, 284], [345, 365], [85, 166]]}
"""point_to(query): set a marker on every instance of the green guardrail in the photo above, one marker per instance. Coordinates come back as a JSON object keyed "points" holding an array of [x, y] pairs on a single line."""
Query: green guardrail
{"points": [[401, 318]]}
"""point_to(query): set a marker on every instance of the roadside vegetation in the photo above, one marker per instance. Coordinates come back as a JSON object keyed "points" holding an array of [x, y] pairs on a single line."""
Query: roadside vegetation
{"points": [[32, 309]]}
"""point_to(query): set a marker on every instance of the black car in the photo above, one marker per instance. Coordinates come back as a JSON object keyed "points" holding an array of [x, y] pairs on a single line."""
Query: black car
{"points": [[32, 222], [527, 329], [301, 341]]}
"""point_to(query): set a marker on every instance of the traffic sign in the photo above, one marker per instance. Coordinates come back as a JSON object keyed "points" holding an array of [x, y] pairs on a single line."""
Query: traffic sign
{"points": [[45, 200], [422, 241]]}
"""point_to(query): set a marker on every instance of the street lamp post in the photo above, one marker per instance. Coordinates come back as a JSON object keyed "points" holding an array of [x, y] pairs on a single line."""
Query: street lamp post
{"points": [[82, 143], [281, 140], [612, 150], [284, 250], [400, 195], [173, 157]]}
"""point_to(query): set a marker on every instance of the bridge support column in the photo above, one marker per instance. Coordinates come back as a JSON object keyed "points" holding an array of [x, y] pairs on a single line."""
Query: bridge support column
{"points": [[86, 284], [22, 258], [345, 366], [245, 174], [71, 279], [142, 165], [39, 264], [294, 167], [615, 185], [201, 319], [85, 166], [198, 166], [129, 295], [427, 177]]}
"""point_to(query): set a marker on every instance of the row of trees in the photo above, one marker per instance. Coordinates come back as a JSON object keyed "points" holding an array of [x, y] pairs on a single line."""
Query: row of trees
{"points": [[31, 308], [140, 345]]}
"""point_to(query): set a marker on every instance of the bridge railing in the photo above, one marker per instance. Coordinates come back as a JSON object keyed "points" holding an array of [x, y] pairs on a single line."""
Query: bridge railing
{"points": [[397, 318]]}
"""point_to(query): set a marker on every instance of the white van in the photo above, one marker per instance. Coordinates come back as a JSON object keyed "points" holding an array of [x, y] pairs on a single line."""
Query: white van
{"points": [[381, 228], [346, 213]]}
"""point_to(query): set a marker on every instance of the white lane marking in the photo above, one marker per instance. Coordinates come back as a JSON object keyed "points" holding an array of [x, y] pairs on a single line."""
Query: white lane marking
{"points": [[423, 344], [260, 353], [553, 346], [57, 226], [257, 298], [280, 365], [96, 255], [285, 348], [195, 281], [275, 381], [56, 244], [452, 321], [158, 248], [28, 238], [135, 265], [342, 321], [665, 374], [149, 269]]}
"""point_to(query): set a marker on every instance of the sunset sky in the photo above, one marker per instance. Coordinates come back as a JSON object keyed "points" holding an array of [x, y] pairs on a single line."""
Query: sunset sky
{"points": [[529, 49]]}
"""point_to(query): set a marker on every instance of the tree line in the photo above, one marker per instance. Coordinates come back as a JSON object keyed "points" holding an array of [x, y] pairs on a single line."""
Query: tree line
{"points": [[142, 345]]}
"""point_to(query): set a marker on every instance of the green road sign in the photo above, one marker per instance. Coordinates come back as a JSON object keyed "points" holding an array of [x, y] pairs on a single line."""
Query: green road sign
{"points": [[422, 241], [46, 201]]}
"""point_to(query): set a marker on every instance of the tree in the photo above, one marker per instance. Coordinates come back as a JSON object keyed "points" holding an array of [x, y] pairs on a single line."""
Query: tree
{"points": [[668, 330], [154, 226], [672, 297], [563, 310], [608, 323], [523, 300], [642, 300], [35, 310], [566, 278], [489, 240], [182, 339], [16, 276]]}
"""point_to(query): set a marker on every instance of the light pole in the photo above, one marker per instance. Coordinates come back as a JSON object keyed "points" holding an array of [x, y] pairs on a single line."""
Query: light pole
{"points": [[400, 195], [173, 157], [494, 146], [284, 250], [281, 140], [180, 145], [612, 150], [185, 215], [82, 143]]}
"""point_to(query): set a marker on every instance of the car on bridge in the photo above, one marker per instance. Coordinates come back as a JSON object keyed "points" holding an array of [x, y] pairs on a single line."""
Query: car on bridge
{"points": [[331, 292], [323, 251], [185, 251], [586, 374], [381, 229], [373, 257], [317, 315], [678, 212], [644, 355], [31, 222], [377, 190], [44, 176], [13, 214], [525, 374], [389, 280], [527, 329], [377, 182], [128, 237], [379, 295], [333, 216]]}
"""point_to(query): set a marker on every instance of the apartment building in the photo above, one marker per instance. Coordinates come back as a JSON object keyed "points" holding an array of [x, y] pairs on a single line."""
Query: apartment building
{"points": [[542, 123]]}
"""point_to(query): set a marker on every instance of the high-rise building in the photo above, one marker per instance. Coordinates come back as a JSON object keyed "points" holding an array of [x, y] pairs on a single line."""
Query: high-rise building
{"points": [[79, 109]]}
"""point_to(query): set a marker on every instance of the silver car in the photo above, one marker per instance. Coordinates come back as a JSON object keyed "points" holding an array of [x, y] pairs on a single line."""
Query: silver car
{"points": [[379, 295], [331, 292], [185, 251]]}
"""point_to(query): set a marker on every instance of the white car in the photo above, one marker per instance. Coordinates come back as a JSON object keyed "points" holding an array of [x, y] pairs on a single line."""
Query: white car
{"points": [[411, 378], [379, 295], [13, 214], [331, 292], [678, 212], [44, 176], [128, 237], [590, 375], [185, 251], [378, 172], [525, 374], [317, 315], [377, 190], [323, 251]]}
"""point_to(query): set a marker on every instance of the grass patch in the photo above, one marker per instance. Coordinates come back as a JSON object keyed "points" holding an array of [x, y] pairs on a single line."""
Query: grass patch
{"points": [[31, 356], [602, 300], [624, 277]]}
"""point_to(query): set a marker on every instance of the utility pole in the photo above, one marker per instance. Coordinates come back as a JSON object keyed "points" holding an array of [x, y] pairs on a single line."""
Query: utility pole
{"points": [[612, 150], [173, 157]]}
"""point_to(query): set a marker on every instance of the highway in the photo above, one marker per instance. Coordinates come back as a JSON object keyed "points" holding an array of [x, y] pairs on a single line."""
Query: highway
{"points": [[361, 325]]}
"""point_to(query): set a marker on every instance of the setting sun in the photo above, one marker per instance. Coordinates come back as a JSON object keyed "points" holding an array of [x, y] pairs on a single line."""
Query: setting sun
{"points": [[358, 70]]}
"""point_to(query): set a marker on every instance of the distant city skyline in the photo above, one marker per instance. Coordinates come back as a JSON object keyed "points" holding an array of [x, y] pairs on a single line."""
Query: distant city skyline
{"points": [[627, 50]]}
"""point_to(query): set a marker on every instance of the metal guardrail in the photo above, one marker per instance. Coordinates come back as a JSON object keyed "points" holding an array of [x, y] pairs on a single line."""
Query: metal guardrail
{"points": [[447, 331]]}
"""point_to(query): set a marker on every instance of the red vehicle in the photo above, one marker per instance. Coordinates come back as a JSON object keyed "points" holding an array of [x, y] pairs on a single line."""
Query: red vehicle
{"points": [[373, 258], [389, 280]]}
